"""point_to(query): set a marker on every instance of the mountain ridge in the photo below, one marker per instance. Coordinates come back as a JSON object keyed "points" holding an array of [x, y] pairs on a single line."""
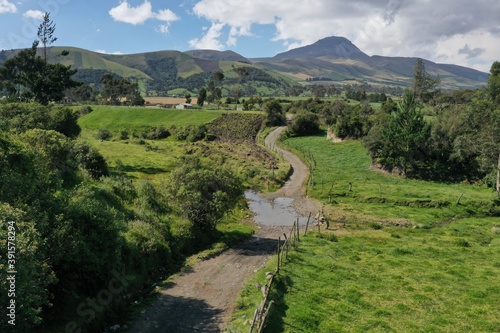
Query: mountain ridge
{"points": [[336, 59]]}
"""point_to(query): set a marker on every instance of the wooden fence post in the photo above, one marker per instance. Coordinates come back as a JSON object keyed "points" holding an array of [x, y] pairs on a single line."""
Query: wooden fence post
{"points": [[279, 250], [298, 230], [307, 225]]}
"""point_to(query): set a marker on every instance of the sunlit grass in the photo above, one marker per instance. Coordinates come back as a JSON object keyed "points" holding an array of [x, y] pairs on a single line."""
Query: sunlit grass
{"points": [[342, 174]]}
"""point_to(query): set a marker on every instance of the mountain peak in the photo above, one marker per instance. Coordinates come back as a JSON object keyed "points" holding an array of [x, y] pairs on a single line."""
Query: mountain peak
{"points": [[329, 47]]}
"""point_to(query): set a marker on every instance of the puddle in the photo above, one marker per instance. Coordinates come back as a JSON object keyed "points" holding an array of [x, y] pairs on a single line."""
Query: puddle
{"points": [[273, 212]]}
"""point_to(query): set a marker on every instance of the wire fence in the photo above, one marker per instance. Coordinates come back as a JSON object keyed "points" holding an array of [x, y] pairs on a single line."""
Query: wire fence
{"points": [[290, 242]]}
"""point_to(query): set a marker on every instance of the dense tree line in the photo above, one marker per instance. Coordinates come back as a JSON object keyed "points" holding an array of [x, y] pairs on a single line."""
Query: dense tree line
{"points": [[460, 138]]}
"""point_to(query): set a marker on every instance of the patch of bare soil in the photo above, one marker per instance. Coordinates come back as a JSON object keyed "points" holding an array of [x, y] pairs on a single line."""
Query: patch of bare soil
{"points": [[201, 298]]}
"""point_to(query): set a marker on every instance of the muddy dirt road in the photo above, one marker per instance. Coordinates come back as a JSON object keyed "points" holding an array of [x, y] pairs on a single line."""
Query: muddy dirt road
{"points": [[201, 299]]}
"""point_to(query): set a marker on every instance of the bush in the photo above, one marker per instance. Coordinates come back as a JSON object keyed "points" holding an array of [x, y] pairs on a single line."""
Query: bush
{"points": [[84, 110], [304, 123], [104, 135], [90, 159]]}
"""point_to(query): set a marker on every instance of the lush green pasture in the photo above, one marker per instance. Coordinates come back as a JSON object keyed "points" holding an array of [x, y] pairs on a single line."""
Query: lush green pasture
{"points": [[376, 196], [134, 118], [393, 280], [386, 280]]}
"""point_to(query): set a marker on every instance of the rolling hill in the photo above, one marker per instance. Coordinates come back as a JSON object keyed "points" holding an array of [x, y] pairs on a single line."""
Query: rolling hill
{"points": [[330, 60]]}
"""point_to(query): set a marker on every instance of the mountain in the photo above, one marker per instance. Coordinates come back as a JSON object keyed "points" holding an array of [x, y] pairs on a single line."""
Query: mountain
{"points": [[217, 55], [337, 59], [328, 61], [330, 47]]}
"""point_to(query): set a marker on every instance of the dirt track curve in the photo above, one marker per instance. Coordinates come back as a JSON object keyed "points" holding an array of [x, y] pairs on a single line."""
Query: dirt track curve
{"points": [[201, 299]]}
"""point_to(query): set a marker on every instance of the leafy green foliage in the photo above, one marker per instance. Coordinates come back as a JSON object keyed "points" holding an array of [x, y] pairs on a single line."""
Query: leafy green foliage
{"points": [[29, 77], [304, 123], [403, 139], [19, 235], [275, 114], [204, 194], [90, 160], [424, 87], [494, 82], [116, 90]]}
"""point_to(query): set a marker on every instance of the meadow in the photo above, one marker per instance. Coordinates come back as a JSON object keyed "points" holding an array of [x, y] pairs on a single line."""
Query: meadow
{"points": [[116, 118], [342, 174], [401, 255]]}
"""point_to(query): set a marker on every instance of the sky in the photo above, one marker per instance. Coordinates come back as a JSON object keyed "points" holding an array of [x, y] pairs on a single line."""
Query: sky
{"points": [[461, 32]]}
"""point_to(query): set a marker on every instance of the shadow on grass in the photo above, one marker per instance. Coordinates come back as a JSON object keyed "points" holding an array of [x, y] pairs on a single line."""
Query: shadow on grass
{"points": [[275, 322], [148, 171]]}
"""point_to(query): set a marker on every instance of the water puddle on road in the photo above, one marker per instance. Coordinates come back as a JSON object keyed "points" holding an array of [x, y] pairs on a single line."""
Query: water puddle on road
{"points": [[273, 212]]}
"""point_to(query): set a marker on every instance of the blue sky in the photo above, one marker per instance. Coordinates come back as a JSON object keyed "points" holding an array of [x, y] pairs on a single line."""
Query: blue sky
{"points": [[461, 32]]}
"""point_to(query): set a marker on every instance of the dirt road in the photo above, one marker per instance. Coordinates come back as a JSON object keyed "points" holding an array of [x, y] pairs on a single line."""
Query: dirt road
{"points": [[201, 299]]}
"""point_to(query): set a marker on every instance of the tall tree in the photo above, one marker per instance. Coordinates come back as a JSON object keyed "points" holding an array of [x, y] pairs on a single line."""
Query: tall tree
{"points": [[275, 114], [242, 74], [494, 82], [402, 140], [202, 96], [46, 33], [424, 87], [30, 77]]}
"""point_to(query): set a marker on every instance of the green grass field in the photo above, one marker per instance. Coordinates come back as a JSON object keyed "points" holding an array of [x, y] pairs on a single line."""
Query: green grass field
{"points": [[393, 280], [381, 197], [438, 271], [136, 118]]}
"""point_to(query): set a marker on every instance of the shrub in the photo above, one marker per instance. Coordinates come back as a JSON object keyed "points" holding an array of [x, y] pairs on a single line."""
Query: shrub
{"points": [[304, 123], [104, 135], [84, 110]]}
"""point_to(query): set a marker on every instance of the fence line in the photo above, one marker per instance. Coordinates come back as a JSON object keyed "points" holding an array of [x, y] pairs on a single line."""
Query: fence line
{"points": [[291, 242]]}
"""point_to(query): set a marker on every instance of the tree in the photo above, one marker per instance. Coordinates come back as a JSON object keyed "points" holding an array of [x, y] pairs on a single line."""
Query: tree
{"points": [[494, 82], [117, 89], [204, 194], [242, 74], [30, 77], [275, 115], [424, 87], [202, 96], [188, 98], [401, 141], [218, 77], [304, 123], [46, 34]]}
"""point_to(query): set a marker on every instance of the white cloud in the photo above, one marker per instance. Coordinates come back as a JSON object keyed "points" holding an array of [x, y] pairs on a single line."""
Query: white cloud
{"points": [[7, 7], [140, 14], [105, 52], [133, 15], [166, 15], [420, 28], [34, 14], [210, 40]]}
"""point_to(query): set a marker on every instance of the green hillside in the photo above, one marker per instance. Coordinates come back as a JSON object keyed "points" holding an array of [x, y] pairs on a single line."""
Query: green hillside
{"points": [[333, 58]]}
